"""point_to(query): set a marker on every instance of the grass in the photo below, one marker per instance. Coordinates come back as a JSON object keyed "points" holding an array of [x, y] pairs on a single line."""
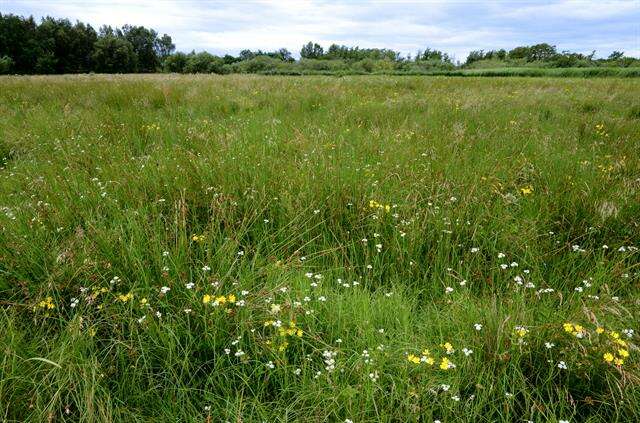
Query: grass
{"points": [[316, 234], [589, 72]]}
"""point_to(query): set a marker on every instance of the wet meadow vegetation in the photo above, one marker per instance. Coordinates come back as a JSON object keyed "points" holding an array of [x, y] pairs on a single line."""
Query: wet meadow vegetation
{"points": [[358, 249]]}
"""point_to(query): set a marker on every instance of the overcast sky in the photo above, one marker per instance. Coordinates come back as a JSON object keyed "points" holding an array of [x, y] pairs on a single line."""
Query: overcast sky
{"points": [[456, 27]]}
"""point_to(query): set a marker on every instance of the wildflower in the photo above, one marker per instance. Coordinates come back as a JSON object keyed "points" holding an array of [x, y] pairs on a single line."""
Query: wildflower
{"points": [[618, 362], [231, 298], [623, 353], [599, 330], [562, 365], [206, 299], [608, 357], [477, 326], [521, 331], [275, 309], [126, 297], [549, 345], [448, 348], [448, 290], [467, 352], [446, 364], [413, 359], [527, 190], [165, 289]]}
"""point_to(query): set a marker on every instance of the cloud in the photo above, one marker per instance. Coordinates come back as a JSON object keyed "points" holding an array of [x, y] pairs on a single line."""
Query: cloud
{"points": [[407, 26]]}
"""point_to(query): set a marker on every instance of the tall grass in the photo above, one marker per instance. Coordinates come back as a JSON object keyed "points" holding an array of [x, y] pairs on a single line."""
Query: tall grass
{"points": [[250, 248]]}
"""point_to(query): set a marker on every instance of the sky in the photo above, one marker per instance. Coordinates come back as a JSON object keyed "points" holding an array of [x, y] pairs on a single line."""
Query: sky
{"points": [[456, 27]]}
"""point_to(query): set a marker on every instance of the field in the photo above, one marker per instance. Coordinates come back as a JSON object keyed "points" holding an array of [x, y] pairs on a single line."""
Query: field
{"points": [[365, 249]]}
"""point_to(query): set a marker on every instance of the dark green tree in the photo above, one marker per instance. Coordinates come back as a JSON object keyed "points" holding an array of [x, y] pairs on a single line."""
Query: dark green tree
{"points": [[311, 51], [114, 54]]}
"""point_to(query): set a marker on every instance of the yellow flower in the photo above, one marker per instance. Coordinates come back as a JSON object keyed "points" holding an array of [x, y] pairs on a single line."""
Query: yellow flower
{"points": [[126, 297], [426, 352], [430, 361], [618, 362], [269, 323], [299, 333], [445, 363], [206, 299], [526, 190], [608, 357], [413, 359], [231, 298], [614, 335], [623, 353], [448, 347], [599, 330], [220, 299], [568, 327]]}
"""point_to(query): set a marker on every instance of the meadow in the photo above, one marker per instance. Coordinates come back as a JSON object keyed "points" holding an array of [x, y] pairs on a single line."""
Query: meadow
{"points": [[249, 248]]}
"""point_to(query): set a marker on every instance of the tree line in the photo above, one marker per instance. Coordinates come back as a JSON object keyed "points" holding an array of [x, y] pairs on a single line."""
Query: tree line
{"points": [[57, 46]]}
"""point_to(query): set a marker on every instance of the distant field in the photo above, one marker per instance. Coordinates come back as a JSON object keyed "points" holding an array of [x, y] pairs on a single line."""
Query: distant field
{"points": [[592, 72], [365, 249]]}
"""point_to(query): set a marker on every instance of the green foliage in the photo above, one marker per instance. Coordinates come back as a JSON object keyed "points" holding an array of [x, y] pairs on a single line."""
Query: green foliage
{"points": [[114, 54], [382, 215], [6, 65], [203, 63], [311, 51]]}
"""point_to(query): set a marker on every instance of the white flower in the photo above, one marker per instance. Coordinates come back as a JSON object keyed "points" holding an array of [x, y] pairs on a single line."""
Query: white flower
{"points": [[190, 285], [165, 254], [444, 387], [501, 255], [165, 289], [562, 365], [448, 289], [322, 298], [475, 250], [477, 326], [205, 268], [467, 352], [549, 345], [297, 372]]}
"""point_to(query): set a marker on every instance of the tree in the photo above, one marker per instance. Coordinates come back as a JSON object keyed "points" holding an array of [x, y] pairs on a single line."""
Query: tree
{"points": [[164, 46], [143, 41], [616, 55], [175, 62], [6, 63], [311, 51], [203, 63], [541, 52], [18, 41], [521, 52], [114, 54]]}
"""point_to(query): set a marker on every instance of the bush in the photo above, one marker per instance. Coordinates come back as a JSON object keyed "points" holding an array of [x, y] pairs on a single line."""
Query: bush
{"points": [[6, 63], [204, 63]]}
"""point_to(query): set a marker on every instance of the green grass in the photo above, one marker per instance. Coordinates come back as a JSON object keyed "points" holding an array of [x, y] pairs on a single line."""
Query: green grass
{"points": [[590, 72], [275, 190]]}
